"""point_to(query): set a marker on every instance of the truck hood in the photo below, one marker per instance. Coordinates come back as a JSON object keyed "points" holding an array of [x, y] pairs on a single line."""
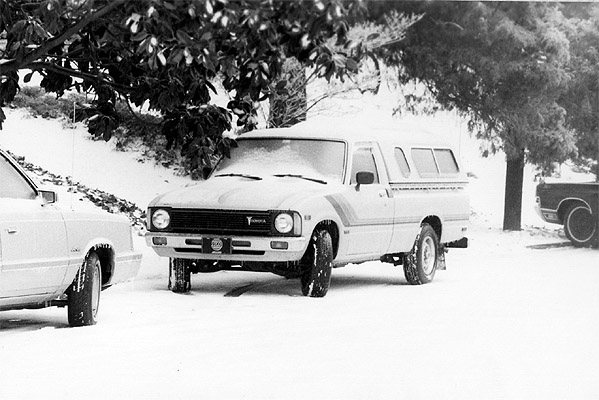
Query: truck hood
{"points": [[242, 193]]}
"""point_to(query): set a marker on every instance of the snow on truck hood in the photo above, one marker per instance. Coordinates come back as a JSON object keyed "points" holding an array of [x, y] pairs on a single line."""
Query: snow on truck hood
{"points": [[232, 192]]}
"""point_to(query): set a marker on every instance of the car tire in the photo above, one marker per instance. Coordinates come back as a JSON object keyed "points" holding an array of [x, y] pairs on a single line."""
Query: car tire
{"points": [[420, 264], [579, 226], [317, 264], [83, 296], [179, 277]]}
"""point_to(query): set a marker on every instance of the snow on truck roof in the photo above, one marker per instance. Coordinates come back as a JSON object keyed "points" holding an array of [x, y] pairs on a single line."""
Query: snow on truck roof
{"points": [[408, 133]]}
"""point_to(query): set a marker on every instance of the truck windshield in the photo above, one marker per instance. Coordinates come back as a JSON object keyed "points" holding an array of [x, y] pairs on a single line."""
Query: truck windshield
{"points": [[310, 158]]}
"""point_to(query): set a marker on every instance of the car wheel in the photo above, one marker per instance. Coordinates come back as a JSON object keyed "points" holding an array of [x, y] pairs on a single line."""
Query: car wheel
{"points": [[83, 296], [317, 264], [179, 277], [579, 226], [420, 264]]}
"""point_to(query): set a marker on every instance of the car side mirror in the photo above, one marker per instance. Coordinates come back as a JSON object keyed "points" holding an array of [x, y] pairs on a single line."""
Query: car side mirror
{"points": [[364, 178], [48, 196]]}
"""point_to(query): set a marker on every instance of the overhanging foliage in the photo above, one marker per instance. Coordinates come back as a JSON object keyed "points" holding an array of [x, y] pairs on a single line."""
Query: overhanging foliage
{"points": [[166, 54]]}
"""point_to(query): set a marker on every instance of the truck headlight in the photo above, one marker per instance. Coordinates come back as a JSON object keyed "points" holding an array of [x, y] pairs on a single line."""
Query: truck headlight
{"points": [[284, 223], [161, 219]]}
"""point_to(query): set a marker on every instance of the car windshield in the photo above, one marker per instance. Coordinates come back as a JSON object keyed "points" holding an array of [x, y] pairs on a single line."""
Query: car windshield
{"points": [[299, 158]]}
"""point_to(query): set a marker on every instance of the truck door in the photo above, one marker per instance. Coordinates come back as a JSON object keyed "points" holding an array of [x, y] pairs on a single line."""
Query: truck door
{"points": [[369, 210]]}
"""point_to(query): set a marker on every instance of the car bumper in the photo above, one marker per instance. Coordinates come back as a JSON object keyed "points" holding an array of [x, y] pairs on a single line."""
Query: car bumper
{"points": [[126, 267], [242, 248], [548, 215]]}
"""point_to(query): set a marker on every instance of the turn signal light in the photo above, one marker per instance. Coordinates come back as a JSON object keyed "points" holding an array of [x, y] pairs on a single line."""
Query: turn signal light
{"points": [[159, 241], [279, 245]]}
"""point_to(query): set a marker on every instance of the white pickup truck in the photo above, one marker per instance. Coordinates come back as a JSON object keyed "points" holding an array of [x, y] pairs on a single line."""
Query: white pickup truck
{"points": [[299, 201]]}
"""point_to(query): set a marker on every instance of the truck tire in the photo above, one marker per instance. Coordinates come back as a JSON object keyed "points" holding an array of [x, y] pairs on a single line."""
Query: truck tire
{"points": [[420, 264], [179, 276], [580, 226], [83, 296], [317, 264]]}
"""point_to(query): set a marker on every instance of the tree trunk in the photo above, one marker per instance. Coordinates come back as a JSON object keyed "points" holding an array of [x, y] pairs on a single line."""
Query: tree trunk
{"points": [[597, 165], [514, 179], [287, 109]]}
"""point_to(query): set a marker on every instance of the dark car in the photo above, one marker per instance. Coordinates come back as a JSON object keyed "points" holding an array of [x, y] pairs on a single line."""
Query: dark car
{"points": [[574, 205]]}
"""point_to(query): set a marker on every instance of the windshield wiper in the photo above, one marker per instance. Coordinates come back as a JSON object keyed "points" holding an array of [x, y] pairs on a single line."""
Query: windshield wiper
{"points": [[301, 177], [256, 178]]}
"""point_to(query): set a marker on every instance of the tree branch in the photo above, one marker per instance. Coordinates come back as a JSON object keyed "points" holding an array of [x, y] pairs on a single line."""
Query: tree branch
{"points": [[77, 74], [43, 49]]}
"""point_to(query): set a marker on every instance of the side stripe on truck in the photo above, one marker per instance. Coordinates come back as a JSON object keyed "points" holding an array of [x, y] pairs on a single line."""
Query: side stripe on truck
{"points": [[349, 218]]}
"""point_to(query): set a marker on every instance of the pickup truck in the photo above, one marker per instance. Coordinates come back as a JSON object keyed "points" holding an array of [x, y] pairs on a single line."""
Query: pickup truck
{"points": [[299, 201], [573, 205]]}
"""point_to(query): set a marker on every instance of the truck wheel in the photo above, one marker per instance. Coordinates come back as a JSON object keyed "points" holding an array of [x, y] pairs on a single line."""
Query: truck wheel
{"points": [[317, 264], [420, 264], [83, 296], [580, 226], [179, 276]]}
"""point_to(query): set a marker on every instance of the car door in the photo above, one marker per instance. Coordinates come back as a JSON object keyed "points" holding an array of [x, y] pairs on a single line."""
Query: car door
{"points": [[33, 242], [369, 207]]}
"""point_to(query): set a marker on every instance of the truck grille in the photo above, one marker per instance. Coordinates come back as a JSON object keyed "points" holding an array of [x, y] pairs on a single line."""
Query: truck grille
{"points": [[221, 222]]}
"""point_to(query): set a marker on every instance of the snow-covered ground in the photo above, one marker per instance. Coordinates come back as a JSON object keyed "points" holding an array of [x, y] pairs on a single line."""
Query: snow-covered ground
{"points": [[505, 321]]}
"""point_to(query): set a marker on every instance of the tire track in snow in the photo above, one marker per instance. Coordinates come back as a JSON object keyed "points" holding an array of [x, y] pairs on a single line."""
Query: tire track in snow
{"points": [[238, 291], [549, 245]]}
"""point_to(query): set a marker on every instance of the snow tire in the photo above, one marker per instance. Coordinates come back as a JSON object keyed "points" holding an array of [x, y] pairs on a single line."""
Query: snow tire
{"points": [[420, 264], [580, 226], [317, 264], [83, 296], [179, 277]]}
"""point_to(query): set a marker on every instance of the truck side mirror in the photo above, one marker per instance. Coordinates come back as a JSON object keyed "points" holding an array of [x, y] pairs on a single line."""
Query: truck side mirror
{"points": [[364, 178]]}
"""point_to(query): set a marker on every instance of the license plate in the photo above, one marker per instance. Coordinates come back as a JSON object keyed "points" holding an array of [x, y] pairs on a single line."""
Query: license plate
{"points": [[216, 245]]}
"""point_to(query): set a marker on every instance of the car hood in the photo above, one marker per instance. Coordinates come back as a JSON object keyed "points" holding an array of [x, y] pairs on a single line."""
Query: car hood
{"points": [[243, 193]]}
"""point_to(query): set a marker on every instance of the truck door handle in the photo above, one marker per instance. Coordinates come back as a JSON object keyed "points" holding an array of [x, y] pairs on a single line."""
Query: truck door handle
{"points": [[11, 230]]}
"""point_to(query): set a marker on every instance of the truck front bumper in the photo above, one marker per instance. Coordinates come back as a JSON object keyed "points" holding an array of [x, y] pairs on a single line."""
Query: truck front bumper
{"points": [[229, 248]]}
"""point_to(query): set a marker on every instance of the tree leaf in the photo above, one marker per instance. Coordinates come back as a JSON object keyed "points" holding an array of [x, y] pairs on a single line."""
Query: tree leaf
{"points": [[373, 36], [183, 37], [351, 64], [281, 84]]}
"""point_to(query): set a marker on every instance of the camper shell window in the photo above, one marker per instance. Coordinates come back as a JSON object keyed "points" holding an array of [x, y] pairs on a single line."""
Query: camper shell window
{"points": [[446, 161], [400, 157]]}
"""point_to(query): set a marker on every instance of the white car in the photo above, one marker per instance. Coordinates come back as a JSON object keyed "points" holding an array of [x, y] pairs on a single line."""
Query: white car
{"points": [[54, 257], [299, 201]]}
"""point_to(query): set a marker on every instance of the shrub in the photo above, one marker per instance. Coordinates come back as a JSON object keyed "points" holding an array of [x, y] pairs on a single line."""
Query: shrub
{"points": [[40, 104]]}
